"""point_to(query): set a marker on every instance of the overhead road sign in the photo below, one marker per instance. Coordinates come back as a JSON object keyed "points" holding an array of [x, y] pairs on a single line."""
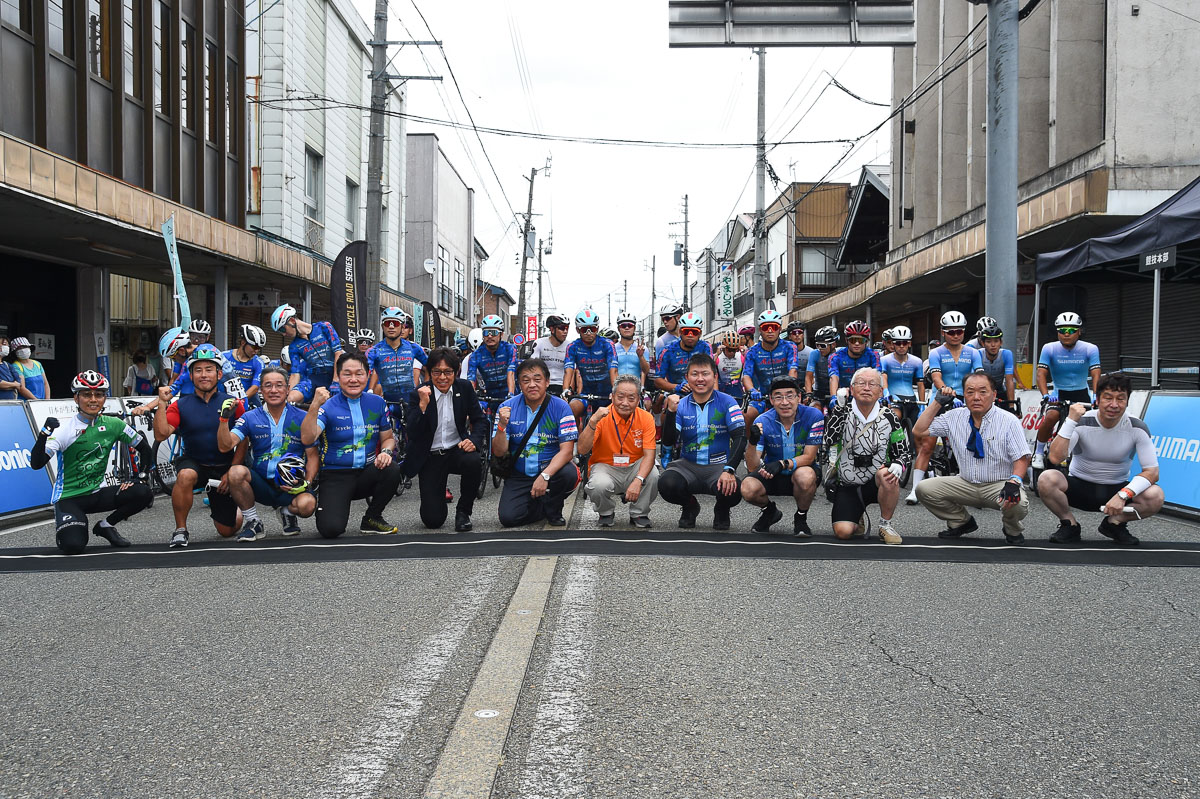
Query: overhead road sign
{"points": [[792, 23]]}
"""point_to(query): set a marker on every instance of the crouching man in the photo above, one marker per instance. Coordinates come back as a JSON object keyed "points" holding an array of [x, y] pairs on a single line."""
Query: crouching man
{"points": [[621, 440]]}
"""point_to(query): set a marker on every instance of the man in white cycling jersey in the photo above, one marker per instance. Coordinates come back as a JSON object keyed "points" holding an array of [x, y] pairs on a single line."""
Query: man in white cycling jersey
{"points": [[552, 348]]}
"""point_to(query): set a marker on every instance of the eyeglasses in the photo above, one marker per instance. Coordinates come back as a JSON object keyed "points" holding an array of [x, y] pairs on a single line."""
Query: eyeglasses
{"points": [[861, 384], [690, 331], [444, 372], [391, 323], [957, 332], [1068, 331], [92, 394], [769, 328], [588, 329], [491, 333], [855, 340]]}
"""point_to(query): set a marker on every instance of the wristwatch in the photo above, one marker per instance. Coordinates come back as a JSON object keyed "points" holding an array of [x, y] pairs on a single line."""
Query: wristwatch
{"points": [[545, 476], [1127, 493], [639, 478]]}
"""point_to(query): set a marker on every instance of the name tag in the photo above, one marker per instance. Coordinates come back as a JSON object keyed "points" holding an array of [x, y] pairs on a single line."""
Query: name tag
{"points": [[620, 460]]}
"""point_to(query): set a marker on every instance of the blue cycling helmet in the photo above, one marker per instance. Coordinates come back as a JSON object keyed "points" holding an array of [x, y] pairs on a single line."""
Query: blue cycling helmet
{"points": [[770, 317], [281, 316], [204, 355], [171, 341], [394, 313], [587, 318], [492, 322]]}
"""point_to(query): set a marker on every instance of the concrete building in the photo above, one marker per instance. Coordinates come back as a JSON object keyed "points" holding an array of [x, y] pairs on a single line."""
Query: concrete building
{"points": [[1108, 128], [308, 160], [439, 233]]}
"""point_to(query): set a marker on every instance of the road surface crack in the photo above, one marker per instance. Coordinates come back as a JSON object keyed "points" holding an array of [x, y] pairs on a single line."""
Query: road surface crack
{"points": [[952, 690]]}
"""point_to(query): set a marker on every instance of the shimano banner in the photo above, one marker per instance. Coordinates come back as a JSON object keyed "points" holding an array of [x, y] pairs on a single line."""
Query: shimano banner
{"points": [[1172, 421], [346, 290], [21, 487]]}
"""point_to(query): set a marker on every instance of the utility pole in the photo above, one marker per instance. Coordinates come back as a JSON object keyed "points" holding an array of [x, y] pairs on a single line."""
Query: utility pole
{"points": [[609, 318], [687, 287], [1002, 98], [525, 240], [653, 297], [539, 285], [625, 300], [760, 218]]}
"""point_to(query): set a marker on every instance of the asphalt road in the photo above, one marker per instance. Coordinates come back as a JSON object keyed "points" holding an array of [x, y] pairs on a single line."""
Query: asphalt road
{"points": [[650, 676]]}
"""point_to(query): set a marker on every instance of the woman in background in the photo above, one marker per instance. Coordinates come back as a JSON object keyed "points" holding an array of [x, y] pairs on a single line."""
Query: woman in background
{"points": [[30, 371]]}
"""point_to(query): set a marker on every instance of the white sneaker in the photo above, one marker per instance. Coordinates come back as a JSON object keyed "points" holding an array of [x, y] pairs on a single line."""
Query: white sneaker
{"points": [[1039, 461], [911, 499], [888, 534]]}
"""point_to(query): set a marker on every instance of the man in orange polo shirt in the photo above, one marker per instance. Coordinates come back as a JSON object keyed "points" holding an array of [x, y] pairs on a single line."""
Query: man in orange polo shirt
{"points": [[621, 441]]}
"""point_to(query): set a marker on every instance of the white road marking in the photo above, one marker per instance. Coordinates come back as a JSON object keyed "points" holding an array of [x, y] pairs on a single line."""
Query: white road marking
{"points": [[359, 770], [554, 763]]}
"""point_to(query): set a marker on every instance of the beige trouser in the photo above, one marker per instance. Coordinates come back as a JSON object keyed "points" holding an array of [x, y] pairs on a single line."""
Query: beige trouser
{"points": [[947, 498], [607, 484]]}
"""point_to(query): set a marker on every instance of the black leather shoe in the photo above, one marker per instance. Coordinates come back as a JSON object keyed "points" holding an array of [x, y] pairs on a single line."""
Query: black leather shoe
{"points": [[111, 535], [555, 520], [969, 526], [687, 517], [462, 522]]}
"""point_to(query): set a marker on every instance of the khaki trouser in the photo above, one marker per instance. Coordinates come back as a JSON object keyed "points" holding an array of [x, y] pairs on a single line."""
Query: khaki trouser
{"points": [[607, 484], [947, 498]]}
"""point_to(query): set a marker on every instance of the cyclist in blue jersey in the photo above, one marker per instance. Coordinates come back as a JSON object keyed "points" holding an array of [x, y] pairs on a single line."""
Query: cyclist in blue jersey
{"points": [[244, 361], [768, 359], [981, 323], [847, 360], [590, 366], [903, 374], [631, 355], [395, 367], [998, 364], [1073, 366], [358, 455], [670, 375], [949, 366], [493, 366], [269, 434], [729, 366], [313, 348], [781, 457], [711, 429], [816, 372]]}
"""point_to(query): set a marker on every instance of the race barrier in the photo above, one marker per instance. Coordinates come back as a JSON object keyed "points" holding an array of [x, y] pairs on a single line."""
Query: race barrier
{"points": [[22, 489], [1171, 416], [1031, 411]]}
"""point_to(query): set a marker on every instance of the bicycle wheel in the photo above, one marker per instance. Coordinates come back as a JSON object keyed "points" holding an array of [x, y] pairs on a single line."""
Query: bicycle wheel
{"points": [[912, 447], [164, 465], [485, 456]]}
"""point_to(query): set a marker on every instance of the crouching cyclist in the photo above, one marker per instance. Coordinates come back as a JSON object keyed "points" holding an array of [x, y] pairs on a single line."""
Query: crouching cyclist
{"points": [[81, 447], [272, 435]]}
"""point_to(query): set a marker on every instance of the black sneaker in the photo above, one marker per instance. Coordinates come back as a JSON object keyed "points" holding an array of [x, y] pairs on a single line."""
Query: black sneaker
{"points": [[969, 526], [721, 517], [180, 539], [1015, 540], [1066, 533], [800, 525], [687, 517], [111, 535], [376, 527], [1119, 533], [768, 517]]}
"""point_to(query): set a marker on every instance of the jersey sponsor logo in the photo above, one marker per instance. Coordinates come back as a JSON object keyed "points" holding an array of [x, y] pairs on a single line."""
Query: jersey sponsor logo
{"points": [[16, 458], [1177, 449]]}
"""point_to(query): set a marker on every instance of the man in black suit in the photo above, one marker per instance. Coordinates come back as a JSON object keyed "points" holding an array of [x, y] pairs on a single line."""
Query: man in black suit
{"points": [[439, 414]]}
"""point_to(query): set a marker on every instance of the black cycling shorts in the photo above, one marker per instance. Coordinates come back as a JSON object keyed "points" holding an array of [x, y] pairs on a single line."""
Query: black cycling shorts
{"points": [[849, 502], [1089, 496], [221, 507], [781, 484], [1076, 395]]}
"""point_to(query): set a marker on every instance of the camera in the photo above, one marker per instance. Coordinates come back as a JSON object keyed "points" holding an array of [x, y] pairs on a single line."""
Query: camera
{"points": [[862, 461]]}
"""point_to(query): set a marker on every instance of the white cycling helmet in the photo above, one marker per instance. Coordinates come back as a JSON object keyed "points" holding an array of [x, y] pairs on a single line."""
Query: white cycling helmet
{"points": [[901, 333], [952, 320], [169, 344], [625, 317], [475, 338], [1068, 319], [364, 334], [985, 321], [201, 327], [285, 356], [254, 336]]}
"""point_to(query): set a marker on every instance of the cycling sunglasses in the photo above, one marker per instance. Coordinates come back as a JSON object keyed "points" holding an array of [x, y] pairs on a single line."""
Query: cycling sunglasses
{"points": [[560, 327], [1068, 331], [588, 329], [769, 328], [958, 331], [689, 331], [392, 323], [855, 340], [901, 343], [624, 325], [487, 333]]}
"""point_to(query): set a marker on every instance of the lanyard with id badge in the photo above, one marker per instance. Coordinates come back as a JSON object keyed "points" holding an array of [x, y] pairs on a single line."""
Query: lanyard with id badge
{"points": [[619, 456]]}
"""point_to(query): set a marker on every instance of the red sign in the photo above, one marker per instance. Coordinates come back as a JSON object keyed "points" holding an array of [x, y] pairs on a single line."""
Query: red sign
{"points": [[531, 327], [1025, 289]]}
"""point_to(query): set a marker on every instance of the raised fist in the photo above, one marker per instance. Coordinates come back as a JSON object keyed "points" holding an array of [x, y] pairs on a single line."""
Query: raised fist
{"points": [[600, 414], [164, 394], [1077, 411], [423, 395], [503, 415], [672, 403], [320, 396], [50, 425], [228, 407]]}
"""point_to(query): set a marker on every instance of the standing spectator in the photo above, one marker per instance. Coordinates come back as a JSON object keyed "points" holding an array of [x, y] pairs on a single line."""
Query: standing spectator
{"points": [[993, 457], [12, 386], [142, 379], [622, 442], [31, 372], [543, 474], [446, 433], [870, 452]]}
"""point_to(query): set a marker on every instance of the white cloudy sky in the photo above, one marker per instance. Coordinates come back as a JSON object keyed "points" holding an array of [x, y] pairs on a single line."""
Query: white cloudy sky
{"points": [[605, 70]]}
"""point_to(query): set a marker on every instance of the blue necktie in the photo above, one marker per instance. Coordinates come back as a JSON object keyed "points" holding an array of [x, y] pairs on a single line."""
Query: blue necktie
{"points": [[975, 442]]}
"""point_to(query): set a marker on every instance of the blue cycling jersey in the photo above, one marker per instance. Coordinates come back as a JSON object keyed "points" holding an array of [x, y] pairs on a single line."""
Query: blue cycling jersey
{"points": [[672, 366], [901, 375], [556, 426], [705, 430], [250, 372], [777, 444], [592, 363], [999, 368], [763, 365], [955, 370], [489, 370], [394, 368], [315, 355], [1070, 368], [270, 440], [628, 360], [820, 369], [350, 430], [844, 365]]}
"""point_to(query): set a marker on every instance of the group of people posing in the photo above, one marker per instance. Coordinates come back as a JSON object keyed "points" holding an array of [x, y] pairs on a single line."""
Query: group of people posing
{"points": [[324, 427]]}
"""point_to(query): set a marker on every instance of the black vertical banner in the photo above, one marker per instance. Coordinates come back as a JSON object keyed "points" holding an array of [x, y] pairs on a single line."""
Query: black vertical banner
{"points": [[430, 334], [346, 290]]}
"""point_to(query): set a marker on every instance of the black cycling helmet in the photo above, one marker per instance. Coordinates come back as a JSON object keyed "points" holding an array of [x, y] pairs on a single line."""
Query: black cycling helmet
{"points": [[554, 320], [990, 331], [797, 325], [785, 381]]}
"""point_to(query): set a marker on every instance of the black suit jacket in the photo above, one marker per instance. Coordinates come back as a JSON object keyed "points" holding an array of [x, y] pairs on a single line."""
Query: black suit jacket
{"points": [[421, 426]]}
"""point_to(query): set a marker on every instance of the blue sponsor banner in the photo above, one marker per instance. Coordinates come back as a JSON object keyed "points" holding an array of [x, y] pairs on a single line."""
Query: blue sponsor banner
{"points": [[1176, 436], [21, 488]]}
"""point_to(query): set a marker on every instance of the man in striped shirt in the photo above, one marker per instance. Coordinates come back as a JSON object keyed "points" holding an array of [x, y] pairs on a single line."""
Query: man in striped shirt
{"points": [[993, 457]]}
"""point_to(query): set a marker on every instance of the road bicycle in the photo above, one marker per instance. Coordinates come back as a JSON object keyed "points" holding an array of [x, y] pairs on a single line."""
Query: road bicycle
{"points": [[489, 405]]}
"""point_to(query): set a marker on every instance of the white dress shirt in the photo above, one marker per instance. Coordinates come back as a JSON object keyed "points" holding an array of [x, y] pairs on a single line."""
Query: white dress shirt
{"points": [[1003, 443], [446, 435]]}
